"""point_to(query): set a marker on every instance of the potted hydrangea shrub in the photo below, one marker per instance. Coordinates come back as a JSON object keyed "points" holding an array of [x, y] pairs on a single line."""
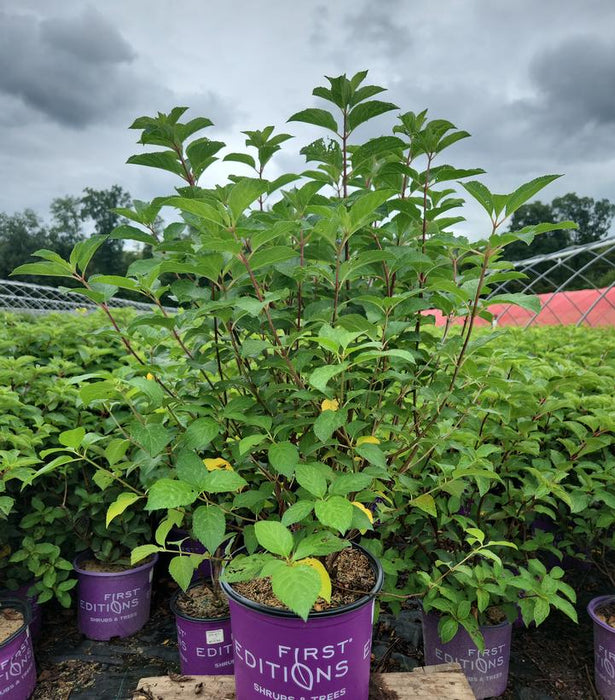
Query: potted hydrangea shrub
{"points": [[289, 384], [113, 596], [482, 473], [469, 610]]}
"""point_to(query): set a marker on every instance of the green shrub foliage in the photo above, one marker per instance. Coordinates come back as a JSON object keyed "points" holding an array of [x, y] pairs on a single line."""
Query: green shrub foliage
{"points": [[301, 397]]}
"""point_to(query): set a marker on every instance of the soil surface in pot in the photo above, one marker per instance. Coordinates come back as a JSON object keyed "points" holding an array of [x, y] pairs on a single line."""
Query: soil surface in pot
{"points": [[199, 601], [494, 616], [10, 621], [351, 578], [606, 613]]}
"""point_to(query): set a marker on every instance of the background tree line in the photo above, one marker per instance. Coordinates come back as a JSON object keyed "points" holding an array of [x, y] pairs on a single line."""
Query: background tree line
{"points": [[71, 219]]}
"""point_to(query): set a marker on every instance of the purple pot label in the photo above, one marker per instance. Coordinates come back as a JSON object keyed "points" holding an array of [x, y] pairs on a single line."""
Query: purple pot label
{"points": [[487, 670], [604, 649], [305, 667], [114, 605], [17, 670], [605, 665], [489, 665], [285, 658], [205, 648]]}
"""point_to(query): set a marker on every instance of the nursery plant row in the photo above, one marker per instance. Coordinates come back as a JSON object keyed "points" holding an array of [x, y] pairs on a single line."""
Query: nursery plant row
{"points": [[298, 431], [56, 518]]}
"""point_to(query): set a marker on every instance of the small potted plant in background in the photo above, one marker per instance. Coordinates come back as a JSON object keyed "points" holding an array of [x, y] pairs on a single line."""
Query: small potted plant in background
{"points": [[204, 634], [127, 484], [592, 530], [113, 596], [17, 666], [36, 571], [468, 610], [301, 363], [602, 613], [481, 477]]}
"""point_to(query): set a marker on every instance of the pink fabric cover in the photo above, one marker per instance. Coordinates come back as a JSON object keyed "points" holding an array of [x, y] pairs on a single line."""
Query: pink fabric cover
{"points": [[560, 308]]}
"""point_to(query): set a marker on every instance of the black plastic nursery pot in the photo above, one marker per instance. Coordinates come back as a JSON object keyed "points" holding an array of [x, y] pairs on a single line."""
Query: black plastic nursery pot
{"points": [[113, 604], [17, 667], [205, 644], [604, 648], [486, 671], [36, 610], [277, 654]]}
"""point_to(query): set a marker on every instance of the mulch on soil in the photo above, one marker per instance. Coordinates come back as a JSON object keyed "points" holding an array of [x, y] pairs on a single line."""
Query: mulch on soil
{"points": [[553, 661], [349, 568], [199, 602], [10, 621]]}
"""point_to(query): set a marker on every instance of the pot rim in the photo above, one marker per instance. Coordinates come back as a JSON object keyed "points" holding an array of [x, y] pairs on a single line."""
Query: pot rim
{"points": [[25, 609], [110, 574], [596, 602], [313, 615], [184, 616]]}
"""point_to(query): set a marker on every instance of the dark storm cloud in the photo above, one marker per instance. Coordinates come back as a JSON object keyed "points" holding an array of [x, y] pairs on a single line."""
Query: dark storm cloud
{"points": [[88, 37], [377, 27], [372, 32], [68, 69], [576, 80], [79, 70]]}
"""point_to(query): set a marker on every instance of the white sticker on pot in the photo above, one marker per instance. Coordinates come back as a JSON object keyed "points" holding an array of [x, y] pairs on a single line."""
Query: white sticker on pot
{"points": [[214, 636]]}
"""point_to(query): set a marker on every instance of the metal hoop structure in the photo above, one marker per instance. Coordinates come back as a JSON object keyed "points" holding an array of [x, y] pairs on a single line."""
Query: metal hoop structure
{"points": [[564, 303], [37, 298]]}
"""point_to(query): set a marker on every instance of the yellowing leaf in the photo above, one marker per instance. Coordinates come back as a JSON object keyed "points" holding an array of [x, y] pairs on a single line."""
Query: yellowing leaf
{"points": [[426, 503], [330, 405], [367, 440], [149, 376], [325, 581], [217, 463], [367, 511]]}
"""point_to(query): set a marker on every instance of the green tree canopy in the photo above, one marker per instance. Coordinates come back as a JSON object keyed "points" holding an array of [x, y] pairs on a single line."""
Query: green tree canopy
{"points": [[97, 206], [21, 234], [66, 228], [71, 218]]}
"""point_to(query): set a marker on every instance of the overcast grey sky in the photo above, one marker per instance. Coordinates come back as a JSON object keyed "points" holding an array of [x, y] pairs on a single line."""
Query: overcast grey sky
{"points": [[533, 81]]}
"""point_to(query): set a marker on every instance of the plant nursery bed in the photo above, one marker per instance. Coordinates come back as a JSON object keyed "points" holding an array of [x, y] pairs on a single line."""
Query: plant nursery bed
{"points": [[445, 682], [552, 662]]}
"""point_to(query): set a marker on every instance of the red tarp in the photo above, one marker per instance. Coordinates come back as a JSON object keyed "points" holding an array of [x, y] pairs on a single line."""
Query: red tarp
{"points": [[558, 308]]}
